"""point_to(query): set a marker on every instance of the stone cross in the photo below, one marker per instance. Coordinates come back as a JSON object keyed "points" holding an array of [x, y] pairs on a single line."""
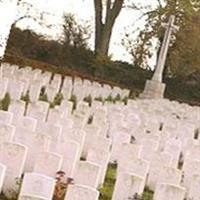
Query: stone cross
{"points": [[154, 88], [164, 49]]}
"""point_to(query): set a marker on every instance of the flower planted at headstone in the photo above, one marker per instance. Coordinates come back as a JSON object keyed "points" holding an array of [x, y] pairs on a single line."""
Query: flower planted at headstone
{"points": [[62, 183]]}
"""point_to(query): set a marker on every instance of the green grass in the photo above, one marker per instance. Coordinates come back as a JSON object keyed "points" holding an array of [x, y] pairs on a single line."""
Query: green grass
{"points": [[2, 197], [26, 98], [107, 190], [57, 100], [74, 100], [88, 99], [4, 103], [147, 195]]}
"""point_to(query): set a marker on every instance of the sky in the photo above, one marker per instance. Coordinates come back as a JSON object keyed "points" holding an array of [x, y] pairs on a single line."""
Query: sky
{"points": [[83, 10]]}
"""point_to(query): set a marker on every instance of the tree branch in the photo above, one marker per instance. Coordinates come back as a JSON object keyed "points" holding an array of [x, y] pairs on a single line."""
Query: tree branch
{"points": [[108, 8], [160, 4], [114, 12]]}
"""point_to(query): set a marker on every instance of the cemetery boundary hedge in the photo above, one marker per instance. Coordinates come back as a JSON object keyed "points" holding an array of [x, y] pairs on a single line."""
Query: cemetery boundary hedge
{"points": [[184, 90]]}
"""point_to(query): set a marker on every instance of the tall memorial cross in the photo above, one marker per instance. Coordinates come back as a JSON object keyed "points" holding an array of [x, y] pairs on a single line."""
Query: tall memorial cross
{"points": [[164, 49], [154, 88]]}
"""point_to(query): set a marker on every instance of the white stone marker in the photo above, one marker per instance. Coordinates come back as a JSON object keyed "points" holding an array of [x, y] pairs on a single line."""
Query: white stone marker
{"points": [[77, 136], [149, 146], [158, 161], [174, 148], [81, 192], [190, 168], [55, 115], [70, 151], [17, 108], [48, 163], [193, 192], [67, 106], [79, 120], [6, 132], [6, 117], [66, 91], [13, 156], [15, 89], [93, 139], [51, 130], [51, 92], [87, 173], [193, 151], [26, 122], [170, 175], [129, 152], [127, 185], [3, 86], [35, 142], [35, 184], [168, 191], [135, 166], [2, 175], [34, 91], [101, 157], [118, 139], [39, 106]]}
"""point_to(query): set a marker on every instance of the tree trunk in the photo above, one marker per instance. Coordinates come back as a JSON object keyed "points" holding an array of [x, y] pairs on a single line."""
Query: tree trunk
{"points": [[103, 30]]}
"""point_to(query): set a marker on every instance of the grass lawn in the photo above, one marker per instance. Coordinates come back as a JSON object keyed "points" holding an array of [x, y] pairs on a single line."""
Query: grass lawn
{"points": [[107, 190]]}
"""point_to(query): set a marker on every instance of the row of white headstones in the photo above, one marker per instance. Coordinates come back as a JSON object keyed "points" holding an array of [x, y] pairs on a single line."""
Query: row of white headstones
{"points": [[32, 81], [148, 139]]}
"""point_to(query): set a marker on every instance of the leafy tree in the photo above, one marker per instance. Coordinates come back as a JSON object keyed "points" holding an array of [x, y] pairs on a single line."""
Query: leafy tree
{"points": [[153, 32], [183, 58]]}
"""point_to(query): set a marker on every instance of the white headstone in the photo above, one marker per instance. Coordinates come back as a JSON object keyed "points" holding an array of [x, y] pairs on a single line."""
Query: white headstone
{"points": [[17, 108], [6, 132], [35, 184], [134, 165], [190, 169], [13, 156], [70, 151], [193, 192], [77, 192], [170, 175], [101, 157], [36, 143], [127, 185], [48, 163], [168, 191], [6, 117], [87, 173], [158, 161], [2, 175]]}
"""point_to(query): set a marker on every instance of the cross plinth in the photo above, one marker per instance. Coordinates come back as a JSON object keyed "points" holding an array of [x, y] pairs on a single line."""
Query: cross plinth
{"points": [[154, 88]]}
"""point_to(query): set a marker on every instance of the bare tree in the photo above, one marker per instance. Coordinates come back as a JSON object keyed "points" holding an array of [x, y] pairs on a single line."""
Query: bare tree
{"points": [[27, 10], [104, 25]]}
